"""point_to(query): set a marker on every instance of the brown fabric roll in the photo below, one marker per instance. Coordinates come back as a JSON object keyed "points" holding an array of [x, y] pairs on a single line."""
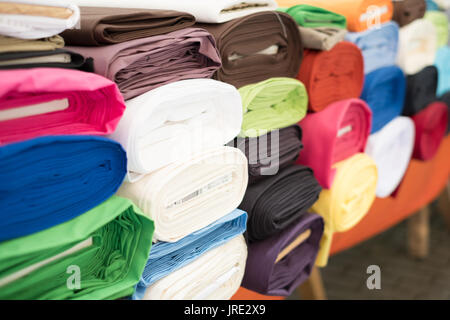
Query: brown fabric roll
{"points": [[257, 47], [406, 11], [101, 26]]}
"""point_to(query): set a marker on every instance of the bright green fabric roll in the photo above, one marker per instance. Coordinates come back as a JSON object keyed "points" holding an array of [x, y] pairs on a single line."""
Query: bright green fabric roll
{"points": [[440, 22], [314, 17], [110, 245], [272, 104]]}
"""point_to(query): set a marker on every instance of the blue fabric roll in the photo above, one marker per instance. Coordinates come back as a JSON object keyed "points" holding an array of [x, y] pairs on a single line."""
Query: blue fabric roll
{"points": [[442, 63], [379, 46], [431, 5], [384, 92], [49, 180], [166, 257]]}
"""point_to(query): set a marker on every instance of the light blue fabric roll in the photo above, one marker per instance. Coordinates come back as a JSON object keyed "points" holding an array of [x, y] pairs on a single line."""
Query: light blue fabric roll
{"points": [[166, 257], [442, 63], [431, 5], [379, 46]]}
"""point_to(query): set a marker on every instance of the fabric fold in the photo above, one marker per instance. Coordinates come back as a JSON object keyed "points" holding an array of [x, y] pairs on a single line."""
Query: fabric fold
{"points": [[406, 11], [333, 75], [49, 180], [443, 66], [276, 202], [271, 270], [333, 135], [107, 246], [446, 99], [140, 65], [8, 44], [175, 121], [440, 22], [420, 90]]}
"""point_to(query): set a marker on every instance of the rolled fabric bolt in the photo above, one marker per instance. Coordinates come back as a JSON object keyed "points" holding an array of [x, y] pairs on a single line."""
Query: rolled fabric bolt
{"points": [[440, 22], [446, 99], [312, 17], [420, 90], [443, 66], [406, 11]]}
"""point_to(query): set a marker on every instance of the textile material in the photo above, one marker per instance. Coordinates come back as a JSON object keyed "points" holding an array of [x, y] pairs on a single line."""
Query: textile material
{"points": [[440, 22], [443, 66], [322, 38], [333, 135], [420, 90], [8, 44], [37, 102], [175, 121], [446, 99], [314, 17], [406, 11]]}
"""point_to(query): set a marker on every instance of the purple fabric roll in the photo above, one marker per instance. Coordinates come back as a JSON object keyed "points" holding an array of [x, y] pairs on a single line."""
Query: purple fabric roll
{"points": [[265, 276], [140, 65]]}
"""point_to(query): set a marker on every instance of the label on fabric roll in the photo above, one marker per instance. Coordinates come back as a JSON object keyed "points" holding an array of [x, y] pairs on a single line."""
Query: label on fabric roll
{"points": [[369, 14], [33, 110], [207, 188], [344, 130]]}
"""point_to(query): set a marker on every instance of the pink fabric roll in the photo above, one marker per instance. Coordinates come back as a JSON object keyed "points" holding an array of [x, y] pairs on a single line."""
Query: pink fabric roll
{"points": [[52, 101], [332, 135]]}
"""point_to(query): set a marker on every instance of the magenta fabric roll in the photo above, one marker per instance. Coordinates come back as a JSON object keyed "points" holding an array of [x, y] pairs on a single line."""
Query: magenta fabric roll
{"points": [[52, 101], [334, 134], [141, 65]]}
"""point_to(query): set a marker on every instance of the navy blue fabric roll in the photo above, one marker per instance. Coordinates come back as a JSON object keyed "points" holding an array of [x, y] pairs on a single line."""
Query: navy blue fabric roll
{"points": [[49, 180], [384, 92]]}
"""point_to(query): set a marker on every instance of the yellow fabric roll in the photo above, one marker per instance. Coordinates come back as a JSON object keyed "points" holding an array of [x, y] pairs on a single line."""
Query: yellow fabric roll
{"points": [[348, 200]]}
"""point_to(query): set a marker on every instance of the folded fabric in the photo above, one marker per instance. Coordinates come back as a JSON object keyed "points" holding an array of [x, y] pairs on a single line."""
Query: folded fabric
{"points": [[8, 44], [257, 47], [57, 58], [216, 11], [348, 200], [313, 17], [278, 265], [174, 121], [272, 104], [417, 46], [167, 257], [384, 92], [215, 275], [361, 14], [431, 126], [321, 38], [420, 90], [446, 99], [103, 25], [140, 65], [333, 75], [34, 19], [269, 153], [379, 46], [41, 101], [274, 203], [189, 195], [49, 180], [440, 22], [406, 11], [391, 148], [333, 135], [107, 246], [442, 63]]}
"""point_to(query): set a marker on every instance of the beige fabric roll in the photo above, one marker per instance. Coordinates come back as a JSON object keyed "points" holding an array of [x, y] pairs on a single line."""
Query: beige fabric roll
{"points": [[321, 38], [9, 44]]}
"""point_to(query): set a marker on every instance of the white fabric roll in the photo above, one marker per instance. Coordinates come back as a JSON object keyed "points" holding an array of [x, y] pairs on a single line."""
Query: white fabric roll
{"points": [[36, 27], [417, 46], [187, 196], [215, 275], [210, 11], [391, 148], [175, 121], [443, 4]]}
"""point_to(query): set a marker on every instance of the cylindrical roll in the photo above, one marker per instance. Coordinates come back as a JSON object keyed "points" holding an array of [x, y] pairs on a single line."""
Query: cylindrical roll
{"points": [[216, 275], [279, 264], [443, 65], [420, 90], [446, 99], [440, 22], [391, 148], [333, 75], [257, 47], [348, 200], [406, 11], [274, 203], [188, 195]]}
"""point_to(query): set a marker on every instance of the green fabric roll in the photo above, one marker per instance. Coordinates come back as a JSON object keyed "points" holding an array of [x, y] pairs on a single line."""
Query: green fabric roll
{"points": [[440, 21], [313, 17], [272, 104], [109, 268]]}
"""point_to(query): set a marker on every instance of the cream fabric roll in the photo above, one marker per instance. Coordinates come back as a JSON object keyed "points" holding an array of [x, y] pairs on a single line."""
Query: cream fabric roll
{"points": [[189, 195], [173, 122], [417, 46], [443, 4], [216, 275], [391, 148], [35, 27], [211, 11]]}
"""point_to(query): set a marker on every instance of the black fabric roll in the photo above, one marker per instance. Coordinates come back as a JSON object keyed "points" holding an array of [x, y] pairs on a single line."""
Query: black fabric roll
{"points": [[446, 98], [274, 203], [420, 90]]}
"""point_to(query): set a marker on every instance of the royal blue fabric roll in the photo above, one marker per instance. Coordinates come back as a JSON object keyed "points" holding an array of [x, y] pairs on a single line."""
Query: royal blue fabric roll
{"points": [[379, 46], [49, 180], [384, 92], [166, 257], [442, 63]]}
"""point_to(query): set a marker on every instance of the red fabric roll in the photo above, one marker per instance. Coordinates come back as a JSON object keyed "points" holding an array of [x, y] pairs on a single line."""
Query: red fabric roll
{"points": [[431, 126], [333, 75]]}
